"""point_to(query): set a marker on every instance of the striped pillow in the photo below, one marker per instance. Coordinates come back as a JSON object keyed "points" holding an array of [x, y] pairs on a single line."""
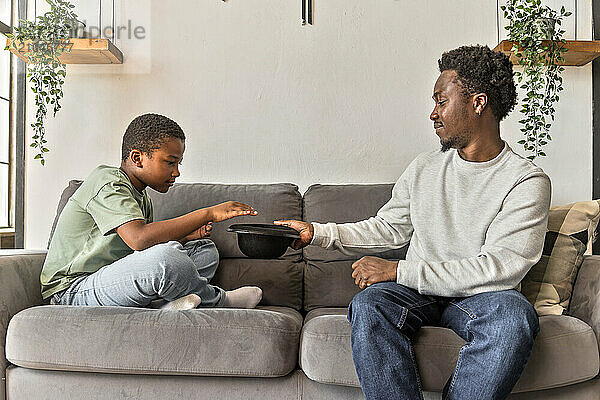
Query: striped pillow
{"points": [[549, 283]]}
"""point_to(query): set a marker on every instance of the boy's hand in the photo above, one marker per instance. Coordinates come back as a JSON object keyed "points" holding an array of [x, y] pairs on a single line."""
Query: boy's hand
{"points": [[305, 230], [230, 209], [202, 232]]}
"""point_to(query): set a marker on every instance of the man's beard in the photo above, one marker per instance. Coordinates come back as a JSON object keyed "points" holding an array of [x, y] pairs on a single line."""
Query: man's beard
{"points": [[455, 142], [447, 145]]}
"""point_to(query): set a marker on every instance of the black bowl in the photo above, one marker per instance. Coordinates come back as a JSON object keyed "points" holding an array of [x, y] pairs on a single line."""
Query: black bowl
{"points": [[263, 240]]}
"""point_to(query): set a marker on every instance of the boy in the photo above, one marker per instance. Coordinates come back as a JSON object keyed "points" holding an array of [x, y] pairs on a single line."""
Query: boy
{"points": [[106, 251]]}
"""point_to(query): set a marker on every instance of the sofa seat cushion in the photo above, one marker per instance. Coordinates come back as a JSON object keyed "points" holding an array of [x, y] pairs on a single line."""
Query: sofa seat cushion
{"points": [[211, 341], [565, 352]]}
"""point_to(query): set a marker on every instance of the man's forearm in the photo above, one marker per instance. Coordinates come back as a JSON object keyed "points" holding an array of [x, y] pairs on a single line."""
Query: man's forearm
{"points": [[363, 237]]}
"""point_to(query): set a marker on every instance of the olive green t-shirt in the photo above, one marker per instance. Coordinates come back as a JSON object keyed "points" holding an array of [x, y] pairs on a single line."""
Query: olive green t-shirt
{"points": [[85, 238]]}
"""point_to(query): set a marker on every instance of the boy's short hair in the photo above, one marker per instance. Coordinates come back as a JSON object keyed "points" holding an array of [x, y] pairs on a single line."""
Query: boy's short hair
{"points": [[480, 69], [148, 132]]}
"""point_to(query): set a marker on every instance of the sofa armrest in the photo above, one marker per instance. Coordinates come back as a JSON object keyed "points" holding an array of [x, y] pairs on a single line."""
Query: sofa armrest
{"points": [[585, 299], [19, 289]]}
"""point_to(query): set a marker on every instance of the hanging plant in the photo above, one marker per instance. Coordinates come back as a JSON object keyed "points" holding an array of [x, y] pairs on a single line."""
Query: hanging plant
{"points": [[42, 42], [535, 31]]}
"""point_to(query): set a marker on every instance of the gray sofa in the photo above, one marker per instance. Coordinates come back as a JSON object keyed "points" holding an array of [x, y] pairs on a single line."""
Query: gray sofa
{"points": [[295, 345]]}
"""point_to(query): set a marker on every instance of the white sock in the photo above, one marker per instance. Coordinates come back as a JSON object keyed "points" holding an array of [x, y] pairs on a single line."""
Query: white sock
{"points": [[188, 302], [244, 297]]}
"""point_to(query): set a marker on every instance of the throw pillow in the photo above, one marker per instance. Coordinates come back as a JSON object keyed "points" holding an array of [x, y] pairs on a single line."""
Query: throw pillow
{"points": [[549, 283]]}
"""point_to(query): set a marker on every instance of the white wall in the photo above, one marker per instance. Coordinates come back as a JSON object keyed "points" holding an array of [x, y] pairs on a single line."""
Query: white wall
{"points": [[263, 99]]}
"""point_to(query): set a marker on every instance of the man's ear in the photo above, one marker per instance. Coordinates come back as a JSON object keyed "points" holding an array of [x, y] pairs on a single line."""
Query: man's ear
{"points": [[479, 102], [136, 158]]}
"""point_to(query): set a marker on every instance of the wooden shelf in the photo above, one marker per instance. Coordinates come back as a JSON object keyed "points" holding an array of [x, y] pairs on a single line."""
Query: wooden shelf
{"points": [[580, 52], [7, 238], [83, 51]]}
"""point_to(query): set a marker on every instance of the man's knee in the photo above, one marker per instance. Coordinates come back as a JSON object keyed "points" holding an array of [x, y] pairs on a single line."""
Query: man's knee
{"points": [[364, 302], [526, 320], [380, 306], [364, 314], [512, 317]]}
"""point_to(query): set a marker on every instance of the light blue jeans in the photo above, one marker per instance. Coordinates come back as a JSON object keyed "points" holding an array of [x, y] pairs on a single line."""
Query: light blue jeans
{"points": [[165, 271], [499, 328]]}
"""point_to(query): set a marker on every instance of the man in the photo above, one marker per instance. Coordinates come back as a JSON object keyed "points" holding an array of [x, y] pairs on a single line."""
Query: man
{"points": [[475, 217]]}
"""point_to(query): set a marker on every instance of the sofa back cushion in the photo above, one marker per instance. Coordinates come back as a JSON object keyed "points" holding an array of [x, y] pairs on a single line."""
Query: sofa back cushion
{"points": [[328, 275], [272, 201], [280, 279], [64, 197]]}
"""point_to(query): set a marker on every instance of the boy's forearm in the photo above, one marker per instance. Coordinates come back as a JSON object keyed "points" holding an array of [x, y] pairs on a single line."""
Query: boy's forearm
{"points": [[173, 229]]}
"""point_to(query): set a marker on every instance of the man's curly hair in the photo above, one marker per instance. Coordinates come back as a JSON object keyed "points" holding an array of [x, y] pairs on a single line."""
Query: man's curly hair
{"points": [[481, 70], [148, 132]]}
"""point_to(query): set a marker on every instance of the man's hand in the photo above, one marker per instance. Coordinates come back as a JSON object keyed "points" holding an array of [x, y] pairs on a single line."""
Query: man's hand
{"points": [[230, 209], [369, 270], [305, 230]]}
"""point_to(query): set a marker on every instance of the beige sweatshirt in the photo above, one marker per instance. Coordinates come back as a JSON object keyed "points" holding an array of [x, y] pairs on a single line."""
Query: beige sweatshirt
{"points": [[473, 227]]}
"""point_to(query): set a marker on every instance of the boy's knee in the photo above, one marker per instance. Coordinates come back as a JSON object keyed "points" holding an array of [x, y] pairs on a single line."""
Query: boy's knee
{"points": [[205, 255], [165, 252], [168, 260], [212, 254]]}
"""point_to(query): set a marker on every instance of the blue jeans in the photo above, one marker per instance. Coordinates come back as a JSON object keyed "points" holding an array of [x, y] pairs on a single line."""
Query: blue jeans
{"points": [[499, 327], [167, 270]]}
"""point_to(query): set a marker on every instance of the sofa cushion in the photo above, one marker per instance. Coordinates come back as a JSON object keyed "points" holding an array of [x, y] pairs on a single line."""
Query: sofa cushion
{"points": [[30, 384], [565, 352], [62, 202], [211, 342], [341, 204], [549, 283], [328, 284], [280, 281], [272, 201], [328, 275]]}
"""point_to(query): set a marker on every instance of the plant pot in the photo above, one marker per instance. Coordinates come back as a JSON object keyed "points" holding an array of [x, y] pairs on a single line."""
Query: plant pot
{"points": [[78, 30], [545, 27]]}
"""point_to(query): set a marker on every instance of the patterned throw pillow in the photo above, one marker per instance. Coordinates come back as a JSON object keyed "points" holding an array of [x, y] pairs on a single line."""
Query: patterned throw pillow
{"points": [[549, 283]]}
